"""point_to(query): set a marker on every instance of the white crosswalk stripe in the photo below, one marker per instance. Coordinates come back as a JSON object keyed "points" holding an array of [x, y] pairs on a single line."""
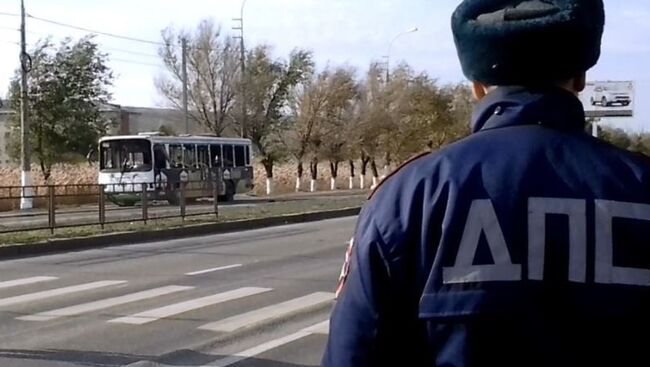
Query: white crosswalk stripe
{"points": [[103, 304], [265, 347], [179, 308], [25, 281], [270, 313], [322, 329], [317, 329], [58, 292], [200, 272]]}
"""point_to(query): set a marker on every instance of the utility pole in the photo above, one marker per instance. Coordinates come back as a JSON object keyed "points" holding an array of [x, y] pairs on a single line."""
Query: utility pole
{"points": [[184, 66], [242, 62], [390, 47], [26, 200]]}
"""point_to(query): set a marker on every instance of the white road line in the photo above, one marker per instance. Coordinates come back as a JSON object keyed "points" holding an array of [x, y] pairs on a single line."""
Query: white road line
{"points": [[103, 304], [262, 348], [214, 269], [270, 313], [179, 308], [26, 281], [58, 292], [323, 328]]}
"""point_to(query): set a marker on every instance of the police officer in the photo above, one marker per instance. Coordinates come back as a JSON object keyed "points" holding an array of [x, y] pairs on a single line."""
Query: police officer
{"points": [[522, 245]]}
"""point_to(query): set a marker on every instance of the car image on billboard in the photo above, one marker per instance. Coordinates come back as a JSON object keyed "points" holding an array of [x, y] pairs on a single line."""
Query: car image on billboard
{"points": [[609, 99]]}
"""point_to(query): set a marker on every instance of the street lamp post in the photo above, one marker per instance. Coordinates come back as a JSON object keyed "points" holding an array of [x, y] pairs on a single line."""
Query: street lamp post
{"points": [[26, 196], [242, 50], [412, 30]]}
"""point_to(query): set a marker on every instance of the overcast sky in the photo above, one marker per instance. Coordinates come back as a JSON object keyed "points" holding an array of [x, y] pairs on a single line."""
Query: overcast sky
{"points": [[352, 32]]}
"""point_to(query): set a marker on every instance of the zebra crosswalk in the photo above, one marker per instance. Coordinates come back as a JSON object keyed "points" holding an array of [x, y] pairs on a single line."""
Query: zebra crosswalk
{"points": [[269, 313], [260, 306], [103, 304], [37, 296], [183, 307]]}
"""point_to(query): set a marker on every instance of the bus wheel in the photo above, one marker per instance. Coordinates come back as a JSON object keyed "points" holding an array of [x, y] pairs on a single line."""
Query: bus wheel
{"points": [[174, 198], [122, 200]]}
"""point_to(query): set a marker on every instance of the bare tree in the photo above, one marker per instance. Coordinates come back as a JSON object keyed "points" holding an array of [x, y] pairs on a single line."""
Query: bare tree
{"points": [[213, 78]]}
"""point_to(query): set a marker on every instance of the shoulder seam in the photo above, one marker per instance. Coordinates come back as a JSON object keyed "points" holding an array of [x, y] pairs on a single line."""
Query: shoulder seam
{"points": [[398, 169]]}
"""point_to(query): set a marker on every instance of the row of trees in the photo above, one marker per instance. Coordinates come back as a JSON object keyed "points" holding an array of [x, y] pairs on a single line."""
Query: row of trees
{"points": [[289, 110], [292, 112], [339, 116], [639, 143]]}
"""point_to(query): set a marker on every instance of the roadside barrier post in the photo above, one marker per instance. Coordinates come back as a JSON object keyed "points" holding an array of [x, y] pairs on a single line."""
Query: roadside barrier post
{"points": [[51, 208], [145, 204], [102, 206]]}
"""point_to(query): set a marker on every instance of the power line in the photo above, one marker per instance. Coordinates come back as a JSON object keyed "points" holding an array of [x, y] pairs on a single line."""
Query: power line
{"points": [[107, 34], [130, 52], [133, 62], [102, 47], [9, 28], [9, 14]]}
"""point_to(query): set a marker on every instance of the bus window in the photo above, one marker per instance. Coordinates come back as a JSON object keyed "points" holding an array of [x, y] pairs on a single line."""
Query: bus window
{"points": [[240, 156], [228, 156], [248, 155], [125, 155], [176, 155], [215, 155], [204, 155], [190, 155], [159, 157]]}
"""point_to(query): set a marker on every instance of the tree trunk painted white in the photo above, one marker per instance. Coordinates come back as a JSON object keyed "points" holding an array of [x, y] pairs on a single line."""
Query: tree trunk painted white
{"points": [[26, 200], [312, 185], [333, 184], [374, 183], [298, 184], [386, 171], [362, 182], [351, 183], [269, 186]]}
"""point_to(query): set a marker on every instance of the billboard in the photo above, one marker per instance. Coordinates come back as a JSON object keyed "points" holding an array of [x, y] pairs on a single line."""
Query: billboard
{"points": [[609, 99]]}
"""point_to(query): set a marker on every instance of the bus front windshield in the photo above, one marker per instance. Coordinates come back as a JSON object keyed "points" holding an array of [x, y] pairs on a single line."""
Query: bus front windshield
{"points": [[129, 155]]}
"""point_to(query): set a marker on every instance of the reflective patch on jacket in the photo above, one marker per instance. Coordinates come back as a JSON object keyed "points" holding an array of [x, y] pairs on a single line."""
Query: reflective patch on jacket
{"points": [[345, 270]]}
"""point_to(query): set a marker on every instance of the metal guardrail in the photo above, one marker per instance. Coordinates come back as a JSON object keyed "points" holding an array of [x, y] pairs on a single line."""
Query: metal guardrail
{"points": [[52, 198]]}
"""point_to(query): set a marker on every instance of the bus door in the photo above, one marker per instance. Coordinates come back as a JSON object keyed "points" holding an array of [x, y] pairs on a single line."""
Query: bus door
{"points": [[193, 170], [203, 165], [160, 165]]}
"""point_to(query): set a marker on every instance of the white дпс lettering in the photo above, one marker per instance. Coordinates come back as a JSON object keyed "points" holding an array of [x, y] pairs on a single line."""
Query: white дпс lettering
{"points": [[482, 219]]}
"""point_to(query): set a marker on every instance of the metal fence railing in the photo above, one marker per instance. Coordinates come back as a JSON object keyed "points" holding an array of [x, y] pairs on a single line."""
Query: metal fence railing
{"points": [[65, 206]]}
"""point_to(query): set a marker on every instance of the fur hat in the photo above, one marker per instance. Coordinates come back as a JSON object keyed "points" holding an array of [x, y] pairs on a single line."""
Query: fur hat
{"points": [[519, 42]]}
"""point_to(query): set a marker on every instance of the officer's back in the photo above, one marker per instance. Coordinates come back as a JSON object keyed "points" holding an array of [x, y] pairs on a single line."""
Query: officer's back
{"points": [[525, 244]]}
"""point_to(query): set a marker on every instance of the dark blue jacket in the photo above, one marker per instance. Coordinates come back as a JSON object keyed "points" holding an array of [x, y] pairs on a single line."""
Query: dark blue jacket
{"points": [[525, 244]]}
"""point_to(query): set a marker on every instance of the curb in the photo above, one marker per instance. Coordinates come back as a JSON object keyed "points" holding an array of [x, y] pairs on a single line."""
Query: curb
{"points": [[120, 239]]}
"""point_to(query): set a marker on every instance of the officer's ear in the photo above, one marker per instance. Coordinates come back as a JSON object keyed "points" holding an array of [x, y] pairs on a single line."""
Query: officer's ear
{"points": [[580, 82], [576, 84], [479, 90]]}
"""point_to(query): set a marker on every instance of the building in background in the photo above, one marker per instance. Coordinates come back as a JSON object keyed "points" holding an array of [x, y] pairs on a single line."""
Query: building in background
{"points": [[5, 131]]}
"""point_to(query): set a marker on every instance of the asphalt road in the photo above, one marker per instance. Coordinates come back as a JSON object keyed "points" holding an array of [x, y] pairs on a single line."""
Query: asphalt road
{"points": [[258, 298]]}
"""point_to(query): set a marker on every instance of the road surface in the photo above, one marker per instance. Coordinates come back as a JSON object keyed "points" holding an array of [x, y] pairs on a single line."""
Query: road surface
{"points": [[258, 298]]}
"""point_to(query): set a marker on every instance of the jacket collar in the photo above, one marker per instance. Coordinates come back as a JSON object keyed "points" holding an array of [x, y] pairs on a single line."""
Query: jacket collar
{"points": [[553, 107]]}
